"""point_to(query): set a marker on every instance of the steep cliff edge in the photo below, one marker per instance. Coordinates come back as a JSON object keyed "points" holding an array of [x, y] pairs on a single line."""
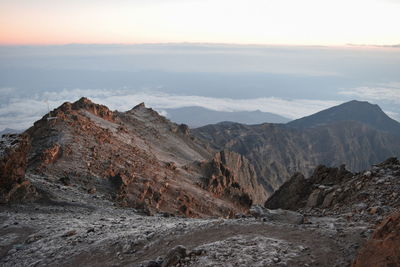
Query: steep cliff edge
{"points": [[230, 175]]}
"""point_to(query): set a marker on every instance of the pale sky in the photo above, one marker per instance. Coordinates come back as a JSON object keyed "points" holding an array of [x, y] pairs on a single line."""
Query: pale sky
{"points": [[292, 22]]}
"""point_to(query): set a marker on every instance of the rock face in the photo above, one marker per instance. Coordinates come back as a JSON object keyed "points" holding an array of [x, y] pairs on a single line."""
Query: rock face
{"points": [[13, 157], [384, 247], [230, 175], [316, 191], [363, 196], [140, 159], [278, 151]]}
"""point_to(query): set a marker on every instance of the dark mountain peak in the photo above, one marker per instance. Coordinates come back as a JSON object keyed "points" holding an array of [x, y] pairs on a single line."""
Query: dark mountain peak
{"points": [[360, 111], [139, 106], [358, 103]]}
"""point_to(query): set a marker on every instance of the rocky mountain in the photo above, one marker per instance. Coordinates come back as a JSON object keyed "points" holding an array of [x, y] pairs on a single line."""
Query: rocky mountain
{"points": [[278, 151], [199, 116], [87, 186], [139, 159], [359, 111]]}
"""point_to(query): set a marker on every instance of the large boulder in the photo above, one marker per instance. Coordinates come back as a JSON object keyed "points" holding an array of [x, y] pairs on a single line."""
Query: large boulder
{"points": [[383, 249], [299, 192]]}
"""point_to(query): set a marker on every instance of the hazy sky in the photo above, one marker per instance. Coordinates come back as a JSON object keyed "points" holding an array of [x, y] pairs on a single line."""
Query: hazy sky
{"points": [[326, 22], [291, 81]]}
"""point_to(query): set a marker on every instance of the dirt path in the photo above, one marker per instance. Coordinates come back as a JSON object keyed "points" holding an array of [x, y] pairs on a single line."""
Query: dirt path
{"points": [[320, 250]]}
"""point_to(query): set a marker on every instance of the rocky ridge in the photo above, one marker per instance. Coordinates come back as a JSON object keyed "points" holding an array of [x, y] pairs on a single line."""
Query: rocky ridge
{"points": [[139, 159], [278, 151], [100, 173], [368, 196]]}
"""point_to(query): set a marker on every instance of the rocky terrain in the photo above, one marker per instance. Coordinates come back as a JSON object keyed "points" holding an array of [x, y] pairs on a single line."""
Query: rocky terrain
{"points": [[384, 247], [88, 186], [278, 151], [73, 227], [139, 159], [13, 157]]}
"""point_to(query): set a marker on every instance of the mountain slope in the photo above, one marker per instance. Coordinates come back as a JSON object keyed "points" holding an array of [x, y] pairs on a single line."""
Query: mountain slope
{"points": [[279, 151], [137, 158], [360, 111], [198, 116]]}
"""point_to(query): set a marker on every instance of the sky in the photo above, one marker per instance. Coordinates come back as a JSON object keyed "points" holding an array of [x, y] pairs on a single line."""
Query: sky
{"points": [[291, 81], [289, 22], [288, 57]]}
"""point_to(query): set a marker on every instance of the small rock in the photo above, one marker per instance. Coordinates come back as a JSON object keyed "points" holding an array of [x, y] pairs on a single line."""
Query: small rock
{"points": [[381, 181], [33, 238], [276, 260], [92, 190], [153, 264], [174, 256], [69, 233], [367, 174]]}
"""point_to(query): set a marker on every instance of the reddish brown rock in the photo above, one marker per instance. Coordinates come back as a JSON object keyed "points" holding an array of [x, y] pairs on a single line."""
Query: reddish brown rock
{"points": [[13, 157], [140, 160], [51, 154], [383, 249]]}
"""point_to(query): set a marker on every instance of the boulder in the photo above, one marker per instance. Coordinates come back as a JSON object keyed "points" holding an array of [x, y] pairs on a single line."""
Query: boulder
{"points": [[174, 256], [278, 215], [383, 249]]}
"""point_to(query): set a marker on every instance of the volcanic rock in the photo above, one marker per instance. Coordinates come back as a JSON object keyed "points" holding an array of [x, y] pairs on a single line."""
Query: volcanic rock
{"points": [[13, 162], [384, 247], [139, 159]]}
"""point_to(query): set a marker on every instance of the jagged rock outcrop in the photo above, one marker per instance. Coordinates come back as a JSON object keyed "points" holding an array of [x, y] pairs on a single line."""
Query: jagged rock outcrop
{"points": [[316, 191], [13, 157], [383, 249], [231, 176], [278, 151], [138, 158], [363, 196]]}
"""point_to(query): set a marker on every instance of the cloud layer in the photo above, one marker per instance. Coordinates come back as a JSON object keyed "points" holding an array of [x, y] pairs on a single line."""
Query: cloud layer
{"points": [[20, 113], [384, 92]]}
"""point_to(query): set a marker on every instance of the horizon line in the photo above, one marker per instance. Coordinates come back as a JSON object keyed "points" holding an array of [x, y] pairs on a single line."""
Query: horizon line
{"points": [[346, 45]]}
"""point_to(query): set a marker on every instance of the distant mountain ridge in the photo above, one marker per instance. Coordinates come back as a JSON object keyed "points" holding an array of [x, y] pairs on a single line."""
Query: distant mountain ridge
{"points": [[9, 131], [360, 111], [355, 133], [199, 116]]}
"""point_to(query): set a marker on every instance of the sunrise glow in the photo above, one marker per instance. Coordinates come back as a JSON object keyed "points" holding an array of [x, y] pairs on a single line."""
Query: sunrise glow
{"points": [[220, 21]]}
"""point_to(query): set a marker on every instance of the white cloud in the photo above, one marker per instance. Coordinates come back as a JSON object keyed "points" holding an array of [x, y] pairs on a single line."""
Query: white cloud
{"points": [[382, 92], [20, 113]]}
